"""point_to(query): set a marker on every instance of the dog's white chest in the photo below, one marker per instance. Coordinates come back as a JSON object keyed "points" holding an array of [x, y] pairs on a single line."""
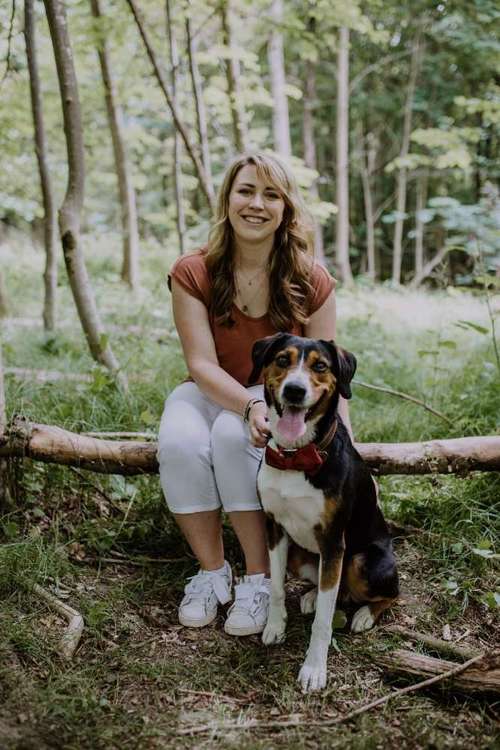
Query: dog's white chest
{"points": [[294, 503]]}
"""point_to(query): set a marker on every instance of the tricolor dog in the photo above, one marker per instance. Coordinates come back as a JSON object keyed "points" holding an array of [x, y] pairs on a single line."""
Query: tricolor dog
{"points": [[323, 519]]}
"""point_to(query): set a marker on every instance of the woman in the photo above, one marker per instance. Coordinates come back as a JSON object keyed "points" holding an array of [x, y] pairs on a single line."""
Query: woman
{"points": [[255, 277]]}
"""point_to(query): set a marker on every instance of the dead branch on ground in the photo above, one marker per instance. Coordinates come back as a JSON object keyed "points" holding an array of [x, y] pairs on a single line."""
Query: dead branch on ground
{"points": [[71, 638]]}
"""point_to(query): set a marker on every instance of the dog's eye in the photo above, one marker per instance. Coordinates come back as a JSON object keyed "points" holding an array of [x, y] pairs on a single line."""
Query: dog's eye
{"points": [[282, 360], [319, 367]]}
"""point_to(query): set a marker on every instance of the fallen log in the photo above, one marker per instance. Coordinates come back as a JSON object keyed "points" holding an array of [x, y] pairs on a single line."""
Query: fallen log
{"points": [[482, 677], [52, 444]]}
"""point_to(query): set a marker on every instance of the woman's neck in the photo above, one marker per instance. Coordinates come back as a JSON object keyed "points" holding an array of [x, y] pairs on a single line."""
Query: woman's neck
{"points": [[250, 256]]}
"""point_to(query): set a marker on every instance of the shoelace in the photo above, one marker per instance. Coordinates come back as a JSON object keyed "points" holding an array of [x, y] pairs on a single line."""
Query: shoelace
{"points": [[248, 595], [207, 581]]}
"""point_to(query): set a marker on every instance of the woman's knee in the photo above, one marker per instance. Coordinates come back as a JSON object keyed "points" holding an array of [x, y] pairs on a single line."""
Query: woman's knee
{"points": [[184, 432]]}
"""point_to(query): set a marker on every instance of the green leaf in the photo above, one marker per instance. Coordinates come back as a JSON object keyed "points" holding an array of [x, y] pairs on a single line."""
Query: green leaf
{"points": [[147, 417], [457, 548], [448, 344], [473, 326], [492, 599], [103, 341], [339, 620]]}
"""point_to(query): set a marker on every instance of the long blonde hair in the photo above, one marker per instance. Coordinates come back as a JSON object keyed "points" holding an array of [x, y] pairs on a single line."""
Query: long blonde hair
{"points": [[290, 260]]}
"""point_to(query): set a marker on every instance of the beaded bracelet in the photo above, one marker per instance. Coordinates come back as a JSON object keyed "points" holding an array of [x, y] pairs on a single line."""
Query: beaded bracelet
{"points": [[249, 406]]}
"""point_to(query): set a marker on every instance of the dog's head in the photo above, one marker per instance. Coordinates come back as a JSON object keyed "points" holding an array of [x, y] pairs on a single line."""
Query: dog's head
{"points": [[303, 379]]}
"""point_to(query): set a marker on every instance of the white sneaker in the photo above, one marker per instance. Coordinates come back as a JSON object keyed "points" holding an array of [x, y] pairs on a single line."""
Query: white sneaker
{"points": [[248, 614], [203, 594]]}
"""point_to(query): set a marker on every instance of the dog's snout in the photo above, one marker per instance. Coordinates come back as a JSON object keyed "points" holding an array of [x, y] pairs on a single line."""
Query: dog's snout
{"points": [[294, 393]]}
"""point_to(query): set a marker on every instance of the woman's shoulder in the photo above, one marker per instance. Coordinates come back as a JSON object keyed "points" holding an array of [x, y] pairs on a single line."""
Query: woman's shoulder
{"points": [[319, 274], [194, 260], [322, 283], [191, 272]]}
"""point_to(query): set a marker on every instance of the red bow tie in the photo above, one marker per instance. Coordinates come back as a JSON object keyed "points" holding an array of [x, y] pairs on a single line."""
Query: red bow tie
{"points": [[307, 459]]}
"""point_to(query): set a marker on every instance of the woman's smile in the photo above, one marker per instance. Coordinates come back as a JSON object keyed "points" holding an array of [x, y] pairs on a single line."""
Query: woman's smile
{"points": [[256, 207]]}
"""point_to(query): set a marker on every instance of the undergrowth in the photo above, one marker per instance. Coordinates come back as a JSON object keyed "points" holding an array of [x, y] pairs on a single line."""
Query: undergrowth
{"points": [[138, 676]]}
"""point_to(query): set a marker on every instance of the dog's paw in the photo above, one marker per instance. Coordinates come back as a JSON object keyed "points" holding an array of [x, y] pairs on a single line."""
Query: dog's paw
{"points": [[275, 630], [312, 677], [308, 601], [362, 620]]}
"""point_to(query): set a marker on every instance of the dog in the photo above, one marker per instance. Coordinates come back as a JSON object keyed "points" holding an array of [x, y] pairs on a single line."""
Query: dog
{"points": [[323, 519]]}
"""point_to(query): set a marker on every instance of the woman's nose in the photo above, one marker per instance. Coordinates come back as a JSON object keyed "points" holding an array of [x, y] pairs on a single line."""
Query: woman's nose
{"points": [[257, 201]]}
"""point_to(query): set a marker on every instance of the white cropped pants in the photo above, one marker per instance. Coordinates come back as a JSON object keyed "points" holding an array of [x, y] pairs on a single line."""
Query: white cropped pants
{"points": [[205, 456]]}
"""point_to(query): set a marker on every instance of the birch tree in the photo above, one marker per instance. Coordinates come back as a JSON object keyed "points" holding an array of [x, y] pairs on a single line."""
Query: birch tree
{"points": [[49, 219], [4, 307], [342, 167], [126, 192], [177, 171], [201, 116], [402, 175], [309, 139], [191, 150], [276, 57], [70, 211], [232, 67]]}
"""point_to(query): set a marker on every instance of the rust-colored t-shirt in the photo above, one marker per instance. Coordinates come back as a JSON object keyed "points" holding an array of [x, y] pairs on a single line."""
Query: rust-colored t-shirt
{"points": [[234, 344]]}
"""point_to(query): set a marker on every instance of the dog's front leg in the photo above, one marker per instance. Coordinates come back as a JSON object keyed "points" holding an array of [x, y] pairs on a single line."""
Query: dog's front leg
{"points": [[274, 632], [312, 675]]}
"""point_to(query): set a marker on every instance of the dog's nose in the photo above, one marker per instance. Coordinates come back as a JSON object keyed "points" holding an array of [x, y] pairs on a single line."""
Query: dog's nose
{"points": [[294, 393]]}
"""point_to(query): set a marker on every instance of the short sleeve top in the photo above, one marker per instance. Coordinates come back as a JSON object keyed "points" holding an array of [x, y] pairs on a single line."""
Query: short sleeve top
{"points": [[234, 344]]}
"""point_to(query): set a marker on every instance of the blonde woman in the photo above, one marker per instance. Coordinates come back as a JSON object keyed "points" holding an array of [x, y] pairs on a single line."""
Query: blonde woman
{"points": [[256, 277]]}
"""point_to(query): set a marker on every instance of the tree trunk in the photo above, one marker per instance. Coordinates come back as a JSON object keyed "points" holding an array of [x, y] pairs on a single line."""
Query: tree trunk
{"points": [[343, 262], [54, 445], [310, 144], [201, 117], [276, 56], [4, 463], [483, 677], [397, 253], [167, 92], [4, 306], [130, 232], [177, 171], [368, 156], [421, 200], [70, 211], [429, 267], [233, 80], [49, 221]]}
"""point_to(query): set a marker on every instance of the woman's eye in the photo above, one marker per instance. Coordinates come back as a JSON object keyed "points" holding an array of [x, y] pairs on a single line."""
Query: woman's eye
{"points": [[319, 367], [282, 361], [273, 196]]}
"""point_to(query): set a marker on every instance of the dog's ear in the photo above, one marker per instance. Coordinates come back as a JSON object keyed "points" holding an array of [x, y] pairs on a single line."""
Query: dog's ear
{"points": [[344, 366], [263, 352]]}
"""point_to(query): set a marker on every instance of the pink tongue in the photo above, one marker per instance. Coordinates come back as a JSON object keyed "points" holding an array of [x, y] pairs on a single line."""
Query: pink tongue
{"points": [[292, 425]]}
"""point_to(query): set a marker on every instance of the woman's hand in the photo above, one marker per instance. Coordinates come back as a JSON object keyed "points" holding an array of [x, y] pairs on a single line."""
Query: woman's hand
{"points": [[258, 425]]}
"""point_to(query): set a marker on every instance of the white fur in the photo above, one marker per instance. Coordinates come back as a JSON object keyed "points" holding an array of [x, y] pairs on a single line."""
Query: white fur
{"points": [[362, 620], [274, 632], [295, 504]]}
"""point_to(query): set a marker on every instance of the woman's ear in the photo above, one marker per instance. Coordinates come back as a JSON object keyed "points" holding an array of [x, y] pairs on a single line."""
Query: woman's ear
{"points": [[263, 352]]}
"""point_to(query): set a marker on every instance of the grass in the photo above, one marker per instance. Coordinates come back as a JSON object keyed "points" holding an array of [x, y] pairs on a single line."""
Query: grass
{"points": [[138, 678]]}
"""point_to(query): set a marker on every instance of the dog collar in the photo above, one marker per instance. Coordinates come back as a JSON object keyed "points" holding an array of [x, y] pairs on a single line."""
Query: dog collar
{"points": [[309, 459]]}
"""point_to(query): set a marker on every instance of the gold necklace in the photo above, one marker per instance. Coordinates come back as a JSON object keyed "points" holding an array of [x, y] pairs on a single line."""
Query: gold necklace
{"points": [[245, 305], [250, 281]]}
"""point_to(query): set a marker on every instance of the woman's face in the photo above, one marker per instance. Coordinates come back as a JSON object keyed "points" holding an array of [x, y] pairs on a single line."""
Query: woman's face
{"points": [[255, 207]]}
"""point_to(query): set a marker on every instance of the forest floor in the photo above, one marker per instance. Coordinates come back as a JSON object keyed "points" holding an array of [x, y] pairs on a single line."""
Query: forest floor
{"points": [[109, 548]]}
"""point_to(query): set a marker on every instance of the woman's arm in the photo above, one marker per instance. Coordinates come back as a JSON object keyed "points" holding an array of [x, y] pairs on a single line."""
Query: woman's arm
{"points": [[323, 325], [193, 327]]}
